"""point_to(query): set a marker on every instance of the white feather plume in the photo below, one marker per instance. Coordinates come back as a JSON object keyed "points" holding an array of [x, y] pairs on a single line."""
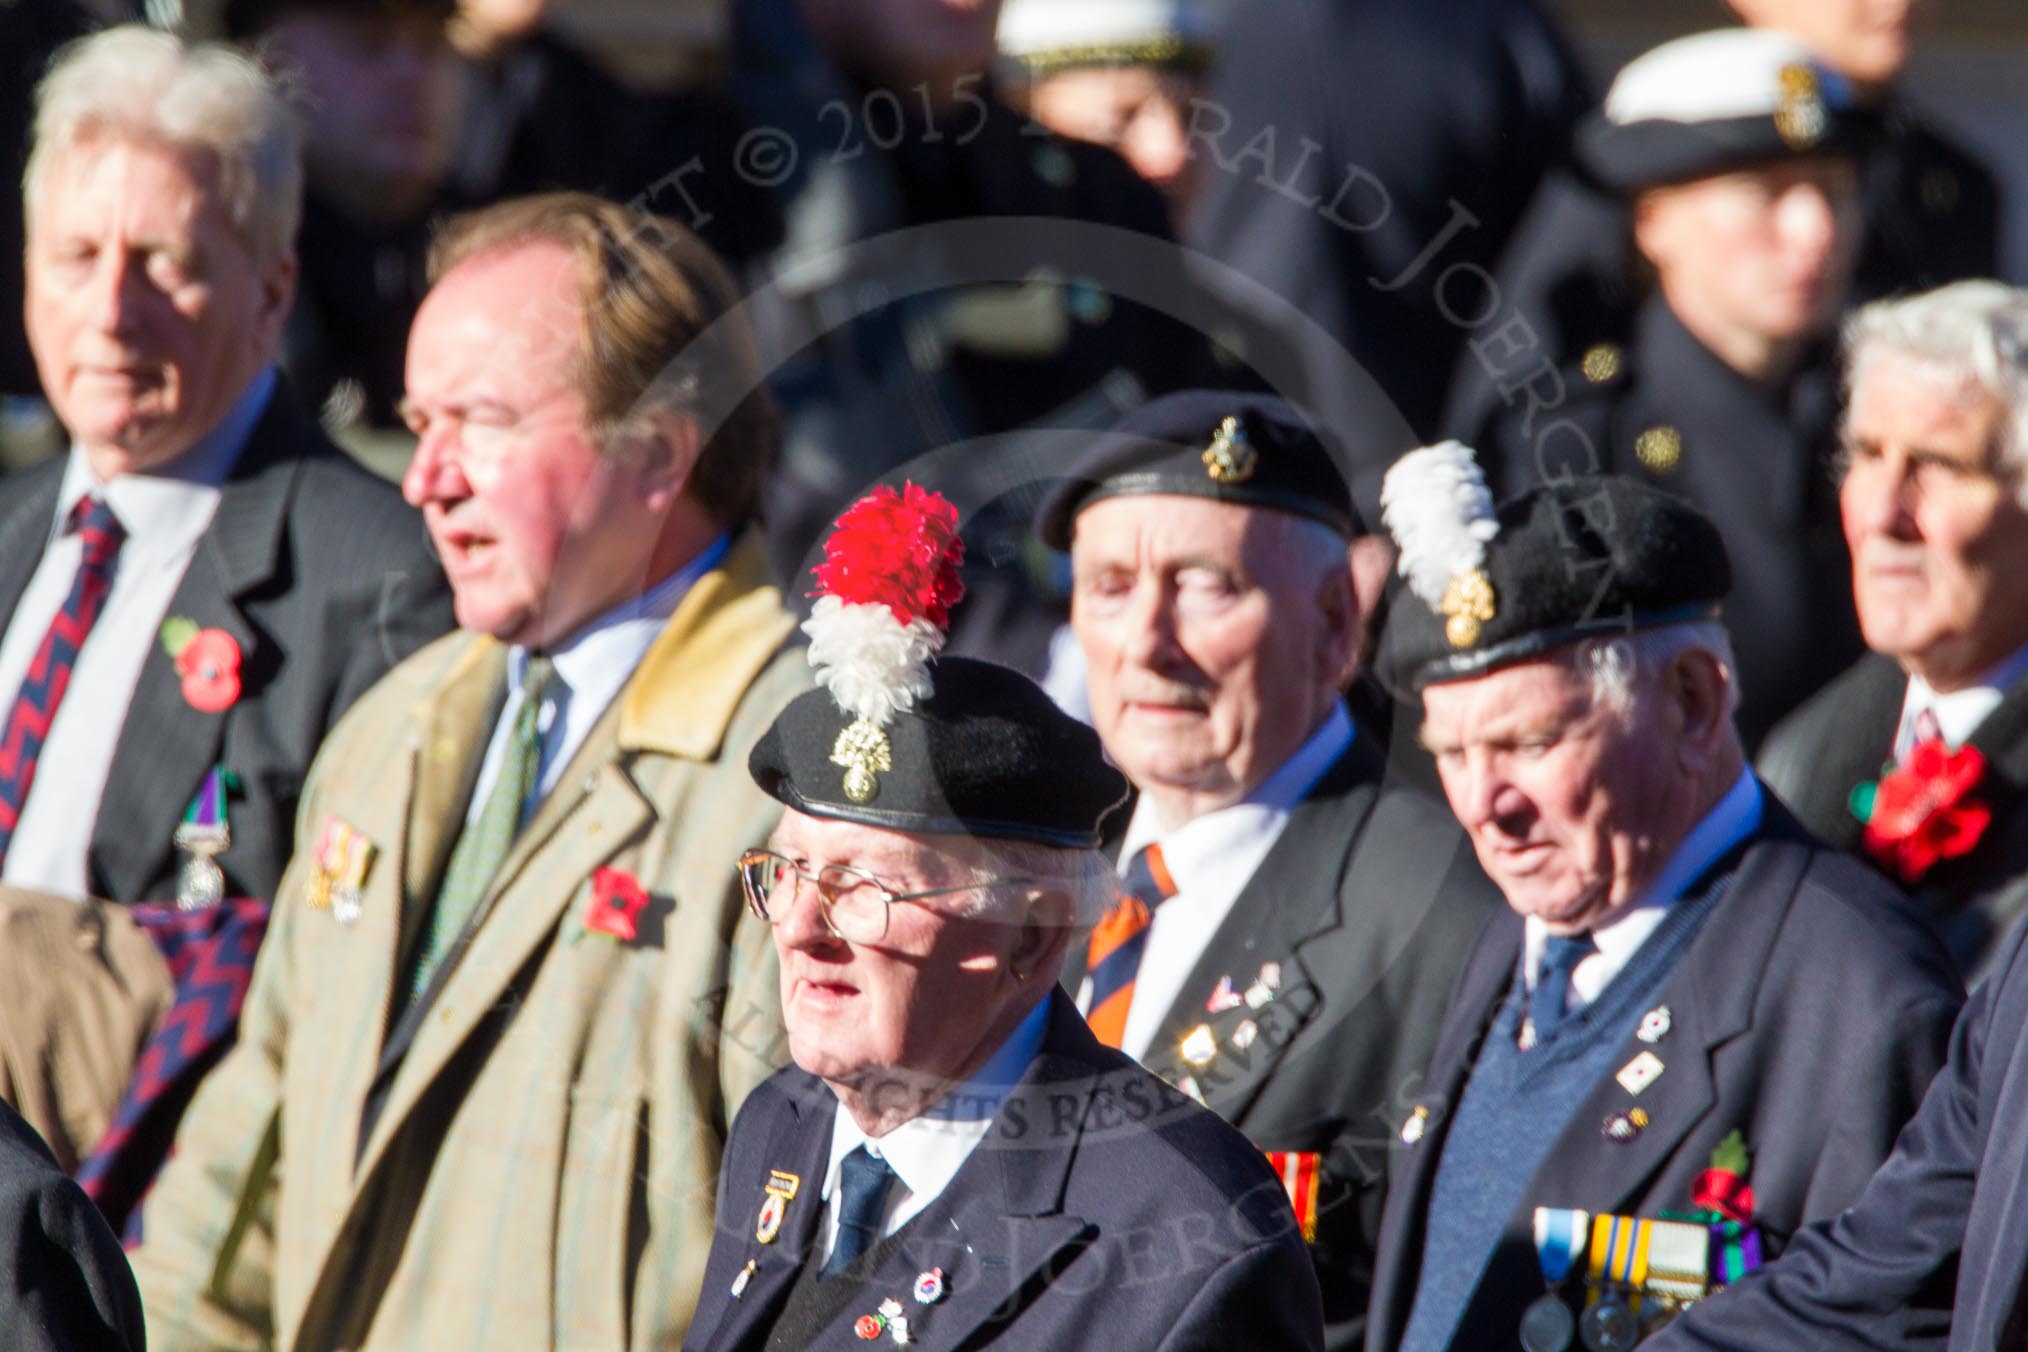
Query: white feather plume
{"points": [[1436, 505], [874, 665]]}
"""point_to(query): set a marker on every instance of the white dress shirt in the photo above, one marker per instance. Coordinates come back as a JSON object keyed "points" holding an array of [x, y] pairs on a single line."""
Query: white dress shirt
{"points": [[165, 512], [1211, 858], [1959, 713], [927, 1151], [1736, 817], [592, 666]]}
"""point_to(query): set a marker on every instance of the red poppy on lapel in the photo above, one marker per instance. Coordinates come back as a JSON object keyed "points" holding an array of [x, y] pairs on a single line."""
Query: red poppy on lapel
{"points": [[207, 660], [616, 903], [1925, 811]]}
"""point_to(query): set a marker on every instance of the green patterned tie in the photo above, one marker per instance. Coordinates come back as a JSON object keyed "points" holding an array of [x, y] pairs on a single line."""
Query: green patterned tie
{"points": [[484, 842]]}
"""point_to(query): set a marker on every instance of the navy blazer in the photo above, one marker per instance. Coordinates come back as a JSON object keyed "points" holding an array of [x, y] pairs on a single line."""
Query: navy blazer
{"points": [[325, 579], [1367, 902], [1948, 1210], [1103, 1210], [1809, 1014], [1844, 736], [64, 1284]]}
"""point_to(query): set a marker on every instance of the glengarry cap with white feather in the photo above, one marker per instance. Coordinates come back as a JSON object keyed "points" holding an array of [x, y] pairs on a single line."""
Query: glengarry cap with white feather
{"points": [[1580, 557]]}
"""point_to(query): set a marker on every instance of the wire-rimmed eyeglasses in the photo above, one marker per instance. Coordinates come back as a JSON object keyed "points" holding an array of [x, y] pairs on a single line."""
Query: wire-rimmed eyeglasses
{"points": [[854, 905]]}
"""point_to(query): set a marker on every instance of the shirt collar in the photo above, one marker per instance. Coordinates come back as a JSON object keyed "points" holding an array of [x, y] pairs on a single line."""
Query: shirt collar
{"points": [[170, 505], [927, 1151], [1959, 713], [1213, 835], [601, 656], [1735, 817]]}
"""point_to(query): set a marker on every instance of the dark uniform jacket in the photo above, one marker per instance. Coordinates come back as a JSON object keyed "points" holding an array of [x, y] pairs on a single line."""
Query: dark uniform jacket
{"points": [[322, 576], [1571, 277], [1366, 162], [1808, 1013], [1364, 908], [941, 281], [1946, 1212], [31, 32], [64, 1284], [1845, 737], [1102, 1210], [1759, 463]]}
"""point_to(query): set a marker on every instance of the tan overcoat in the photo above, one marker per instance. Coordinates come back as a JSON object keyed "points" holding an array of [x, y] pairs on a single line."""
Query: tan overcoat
{"points": [[542, 1170]]}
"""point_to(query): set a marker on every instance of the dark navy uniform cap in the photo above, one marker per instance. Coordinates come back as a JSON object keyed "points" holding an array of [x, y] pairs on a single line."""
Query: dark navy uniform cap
{"points": [[1251, 449], [987, 754]]}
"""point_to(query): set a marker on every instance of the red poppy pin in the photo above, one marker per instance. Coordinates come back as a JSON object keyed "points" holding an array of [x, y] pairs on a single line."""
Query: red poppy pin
{"points": [[617, 901], [1924, 811], [208, 662]]}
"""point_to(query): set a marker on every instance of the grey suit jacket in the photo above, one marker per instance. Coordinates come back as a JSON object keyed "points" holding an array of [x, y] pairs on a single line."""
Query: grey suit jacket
{"points": [[325, 579], [1809, 1014]]}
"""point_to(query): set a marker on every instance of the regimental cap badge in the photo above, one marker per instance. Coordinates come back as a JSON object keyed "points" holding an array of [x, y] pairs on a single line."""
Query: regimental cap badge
{"points": [[885, 589], [1436, 505], [1800, 115], [1231, 458]]}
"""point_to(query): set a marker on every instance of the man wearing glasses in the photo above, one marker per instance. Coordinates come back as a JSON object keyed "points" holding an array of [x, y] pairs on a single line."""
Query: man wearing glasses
{"points": [[955, 1159]]}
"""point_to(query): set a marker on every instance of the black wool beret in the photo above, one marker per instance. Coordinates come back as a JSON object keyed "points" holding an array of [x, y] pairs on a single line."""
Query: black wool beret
{"points": [[987, 754], [1251, 449], [1585, 557]]}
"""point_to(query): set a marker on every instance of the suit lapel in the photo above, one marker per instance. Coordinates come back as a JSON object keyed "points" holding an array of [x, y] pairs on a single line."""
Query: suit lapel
{"points": [[455, 729], [165, 745], [1281, 915], [799, 1142], [24, 530], [583, 821], [1710, 999], [1868, 719]]}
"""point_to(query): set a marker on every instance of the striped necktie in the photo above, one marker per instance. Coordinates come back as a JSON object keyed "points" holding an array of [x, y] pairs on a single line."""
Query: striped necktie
{"points": [[48, 675], [1120, 939]]}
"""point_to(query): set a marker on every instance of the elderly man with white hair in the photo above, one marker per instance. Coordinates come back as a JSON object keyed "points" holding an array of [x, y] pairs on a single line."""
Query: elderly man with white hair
{"points": [[1700, 1028], [1918, 756], [197, 590]]}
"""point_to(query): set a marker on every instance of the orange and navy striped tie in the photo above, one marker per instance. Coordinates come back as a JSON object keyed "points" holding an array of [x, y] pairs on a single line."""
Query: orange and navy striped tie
{"points": [[1119, 940]]}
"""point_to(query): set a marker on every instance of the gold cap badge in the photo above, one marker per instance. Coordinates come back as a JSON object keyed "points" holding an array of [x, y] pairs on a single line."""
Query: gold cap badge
{"points": [[1468, 604], [1230, 458], [863, 750], [1800, 117]]}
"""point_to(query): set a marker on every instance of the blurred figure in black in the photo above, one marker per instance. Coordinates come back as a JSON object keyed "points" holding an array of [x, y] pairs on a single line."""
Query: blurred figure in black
{"points": [[30, 32], [1931, 211], [1120, 75], [375, 79], [1367, 161], [1737, 155], [946, 273]]}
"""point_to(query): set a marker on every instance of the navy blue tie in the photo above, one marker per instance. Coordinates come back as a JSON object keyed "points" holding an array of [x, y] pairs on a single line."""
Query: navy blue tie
{"points": [[863, 1181], [1546, 1004]]}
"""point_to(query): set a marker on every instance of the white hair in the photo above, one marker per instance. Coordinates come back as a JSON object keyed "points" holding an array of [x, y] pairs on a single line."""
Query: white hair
{"points": [[137, 84], [1085, 874], [1615, 665], [1968, 333]]}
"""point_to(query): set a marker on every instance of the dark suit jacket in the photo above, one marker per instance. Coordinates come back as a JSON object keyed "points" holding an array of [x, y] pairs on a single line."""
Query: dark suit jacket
{"points": [[1369, 900], [1843, 737], [324, 578], [1103, 1210], [1947, 1210], [64, 1284], [1809, 1014]]}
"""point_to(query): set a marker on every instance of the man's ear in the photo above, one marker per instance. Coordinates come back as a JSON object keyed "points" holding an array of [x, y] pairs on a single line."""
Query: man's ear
{"points": [[665, 454], [1700, 686], [1045, 935], [277, 282]]}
